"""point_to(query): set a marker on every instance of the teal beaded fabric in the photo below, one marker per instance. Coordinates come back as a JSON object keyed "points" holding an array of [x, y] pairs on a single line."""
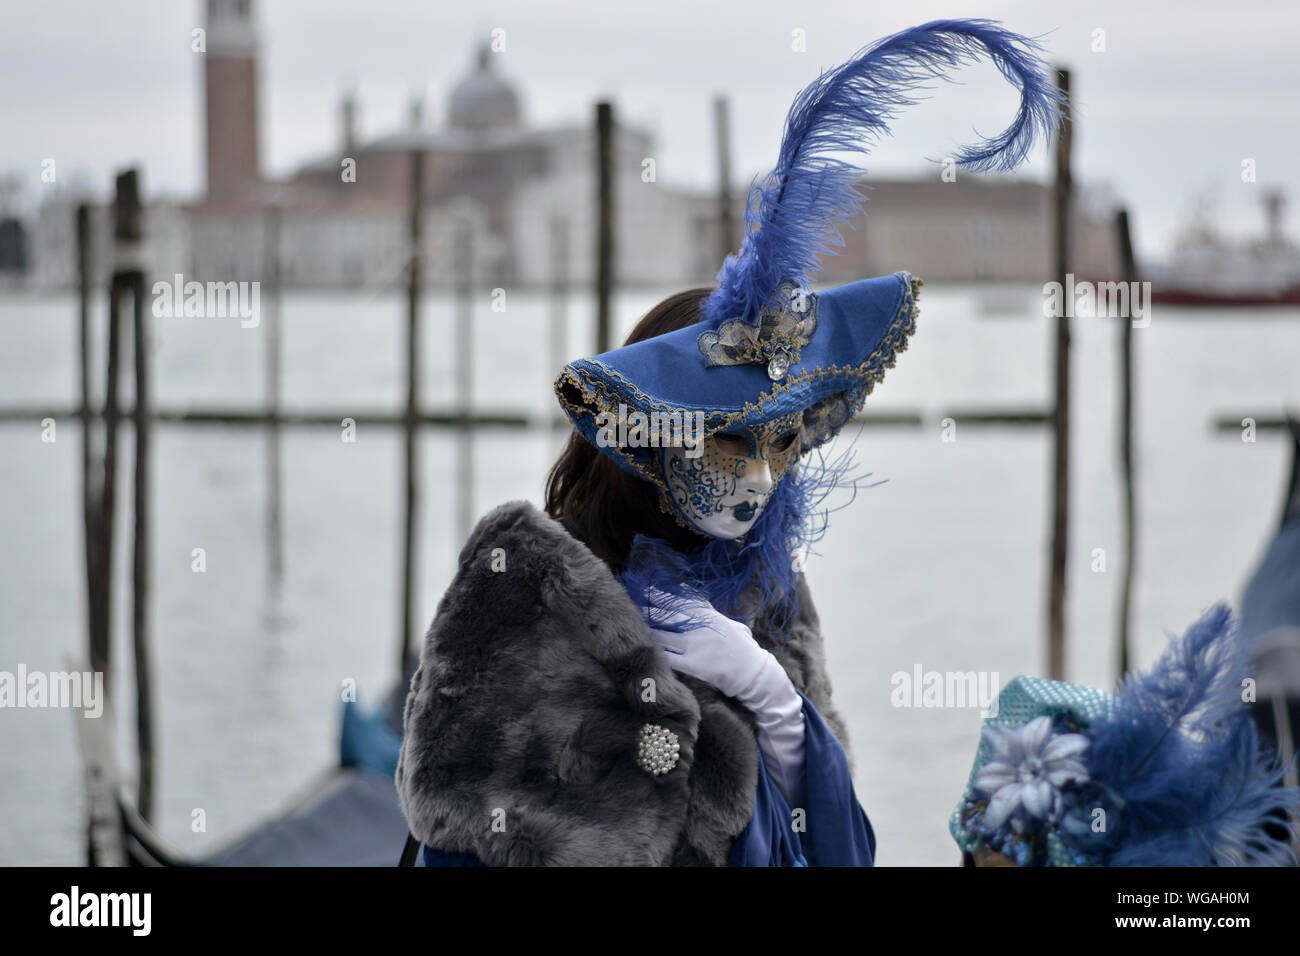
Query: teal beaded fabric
{"points": [[1023, 699]]}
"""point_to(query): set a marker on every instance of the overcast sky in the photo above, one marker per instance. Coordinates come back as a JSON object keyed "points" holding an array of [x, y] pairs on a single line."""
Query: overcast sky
{"points": [[1181, 95]]}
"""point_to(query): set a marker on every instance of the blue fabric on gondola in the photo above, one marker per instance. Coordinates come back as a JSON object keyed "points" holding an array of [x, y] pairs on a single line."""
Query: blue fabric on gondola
{"points": [[367, 741], [1272, 598], [837, 831], [352, 819], [434, 857]]}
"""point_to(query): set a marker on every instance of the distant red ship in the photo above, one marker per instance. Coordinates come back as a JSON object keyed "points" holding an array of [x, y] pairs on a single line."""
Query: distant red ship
{"points": [[1174, 295], [1208, 270]]}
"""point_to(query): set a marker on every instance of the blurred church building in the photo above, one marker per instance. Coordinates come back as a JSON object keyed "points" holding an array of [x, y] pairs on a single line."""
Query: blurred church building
{"points": [[523, 196]]}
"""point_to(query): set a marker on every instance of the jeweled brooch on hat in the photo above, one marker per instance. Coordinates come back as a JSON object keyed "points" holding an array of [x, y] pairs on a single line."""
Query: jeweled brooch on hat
{"points": [[784, 327]]}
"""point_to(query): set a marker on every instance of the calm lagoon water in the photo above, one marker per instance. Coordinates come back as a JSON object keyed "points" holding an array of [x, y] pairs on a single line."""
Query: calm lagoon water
{"points": [[942, 566]]}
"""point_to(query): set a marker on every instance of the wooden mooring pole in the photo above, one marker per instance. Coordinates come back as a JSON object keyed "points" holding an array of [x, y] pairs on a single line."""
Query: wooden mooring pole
{"points": [[274, 361], [463, 323], [604, 222], [105, 503], [1061, 416], [128, 236], [411, 420], [559, 302], [722, 129], [1128, 273], [89, 481], [104, 834]]}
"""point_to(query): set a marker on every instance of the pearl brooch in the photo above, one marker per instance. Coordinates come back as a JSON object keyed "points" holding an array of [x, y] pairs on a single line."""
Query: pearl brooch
{"points": [[657, 749]]}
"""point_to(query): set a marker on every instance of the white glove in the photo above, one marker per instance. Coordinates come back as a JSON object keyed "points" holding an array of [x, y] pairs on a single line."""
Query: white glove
{"points": [[724, 654]]}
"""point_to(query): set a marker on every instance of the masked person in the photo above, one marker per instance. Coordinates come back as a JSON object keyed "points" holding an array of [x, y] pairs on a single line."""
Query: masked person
{"points": [[1168, 771], [637, 677]]}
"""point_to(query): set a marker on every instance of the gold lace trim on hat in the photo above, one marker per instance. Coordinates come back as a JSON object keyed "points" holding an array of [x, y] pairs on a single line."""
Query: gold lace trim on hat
{"points": [[821, 420]]}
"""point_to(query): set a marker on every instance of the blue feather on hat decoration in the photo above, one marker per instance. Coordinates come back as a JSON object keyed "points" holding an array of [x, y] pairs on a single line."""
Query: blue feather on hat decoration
{"points": [[1180, 750], [793, 217]]}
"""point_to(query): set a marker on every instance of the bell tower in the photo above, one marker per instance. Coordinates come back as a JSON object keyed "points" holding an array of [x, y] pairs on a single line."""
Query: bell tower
{"points": [[230, 102]]}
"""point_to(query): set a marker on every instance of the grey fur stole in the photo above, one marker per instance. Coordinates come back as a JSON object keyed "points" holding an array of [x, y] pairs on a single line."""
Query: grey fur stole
{"points": [[523, 718]]}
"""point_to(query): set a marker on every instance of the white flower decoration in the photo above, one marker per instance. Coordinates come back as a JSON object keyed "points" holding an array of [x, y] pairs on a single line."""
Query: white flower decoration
{"points": [[1026, 769]]}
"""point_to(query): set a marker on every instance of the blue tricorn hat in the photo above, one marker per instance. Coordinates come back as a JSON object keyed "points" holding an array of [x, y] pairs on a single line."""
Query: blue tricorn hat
{"points": [[765, 346], [1167, 771], [814, 355]]}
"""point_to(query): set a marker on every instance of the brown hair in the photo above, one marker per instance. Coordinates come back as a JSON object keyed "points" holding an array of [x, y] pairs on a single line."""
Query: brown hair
{"points": [[601, 503]]}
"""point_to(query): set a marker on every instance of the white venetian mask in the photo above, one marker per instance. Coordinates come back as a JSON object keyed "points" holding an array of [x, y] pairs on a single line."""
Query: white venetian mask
{"points": [[722, 490]]}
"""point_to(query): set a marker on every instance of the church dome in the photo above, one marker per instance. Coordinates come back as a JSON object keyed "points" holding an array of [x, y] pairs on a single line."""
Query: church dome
{"points": [[483, 100]]}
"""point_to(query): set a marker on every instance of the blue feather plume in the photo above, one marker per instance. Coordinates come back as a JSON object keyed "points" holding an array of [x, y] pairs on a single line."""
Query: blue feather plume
{"points": [[1180, 752], [793, 217]]}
